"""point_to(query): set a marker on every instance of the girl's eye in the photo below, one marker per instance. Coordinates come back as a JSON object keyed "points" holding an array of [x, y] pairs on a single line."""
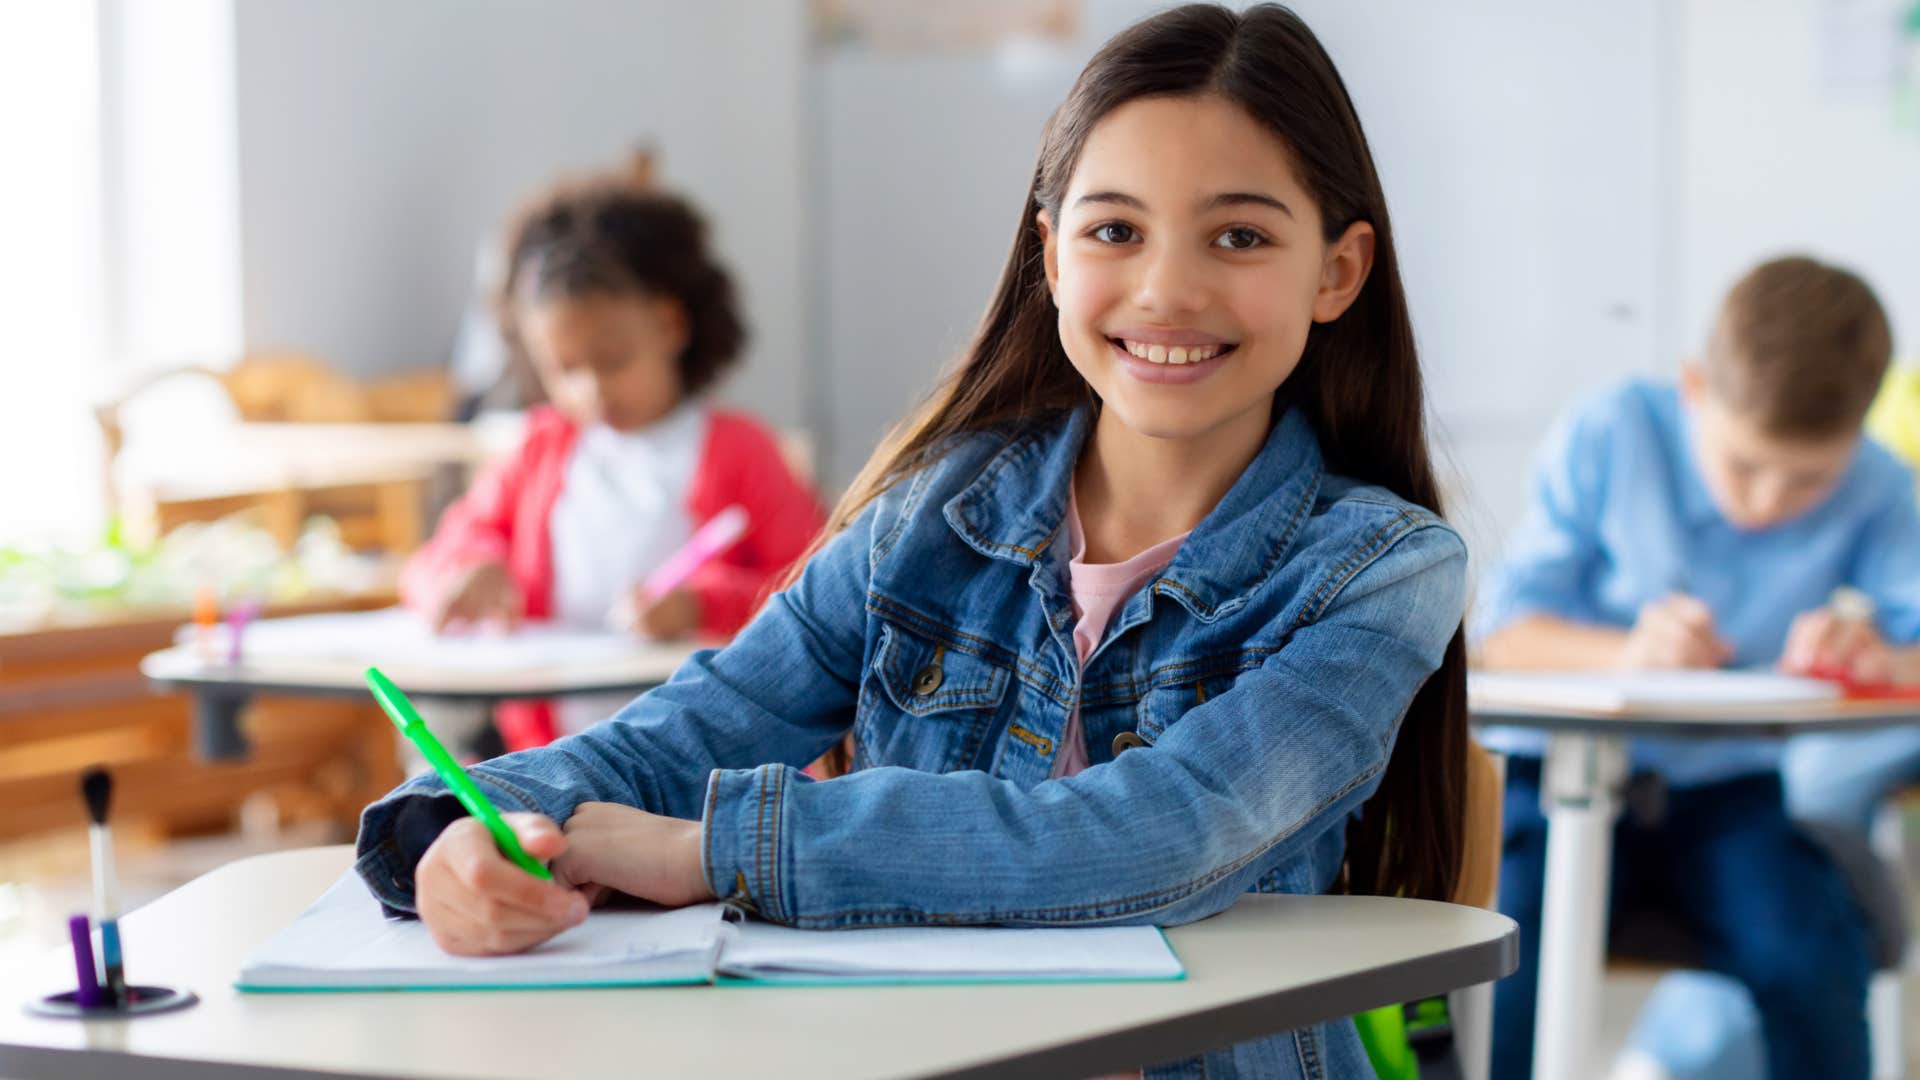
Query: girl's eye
{"points": [[1114, 232], [1239, 239]]}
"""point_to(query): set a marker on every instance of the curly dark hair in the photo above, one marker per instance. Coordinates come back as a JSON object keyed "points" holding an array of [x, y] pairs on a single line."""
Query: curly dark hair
{"points": [[611, 237]]}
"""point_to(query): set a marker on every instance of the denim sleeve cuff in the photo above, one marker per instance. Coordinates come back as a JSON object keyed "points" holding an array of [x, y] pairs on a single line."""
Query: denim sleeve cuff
{"points": [[390, 844], [741, 838]]}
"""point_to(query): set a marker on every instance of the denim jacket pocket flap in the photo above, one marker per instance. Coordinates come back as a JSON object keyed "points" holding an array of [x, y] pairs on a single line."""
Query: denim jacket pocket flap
{"points": [[922, 677], [1163, 706]]}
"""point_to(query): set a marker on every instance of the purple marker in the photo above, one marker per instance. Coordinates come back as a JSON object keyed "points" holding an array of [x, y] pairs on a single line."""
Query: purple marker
{"points": [[238, 616], [87, 995]]}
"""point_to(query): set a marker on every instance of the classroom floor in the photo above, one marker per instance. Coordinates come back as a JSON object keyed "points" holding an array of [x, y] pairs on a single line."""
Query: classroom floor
{"points": [[44, 880]]}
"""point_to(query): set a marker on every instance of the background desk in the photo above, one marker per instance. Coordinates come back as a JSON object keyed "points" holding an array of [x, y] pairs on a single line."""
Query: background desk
{"points": [[1270, 963], [220, 690], [1581, 779]]}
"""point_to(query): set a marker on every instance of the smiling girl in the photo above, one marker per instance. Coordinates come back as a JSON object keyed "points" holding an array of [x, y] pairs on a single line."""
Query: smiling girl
{"points": [[1149, 606]]}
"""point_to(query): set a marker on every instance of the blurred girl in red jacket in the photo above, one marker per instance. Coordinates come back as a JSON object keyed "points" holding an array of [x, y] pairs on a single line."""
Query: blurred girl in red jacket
{"points": [[628, 321]]}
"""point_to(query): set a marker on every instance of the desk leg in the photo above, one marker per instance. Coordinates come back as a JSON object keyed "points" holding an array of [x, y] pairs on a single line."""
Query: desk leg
{"points": [[216, 725], [1583, 777]]}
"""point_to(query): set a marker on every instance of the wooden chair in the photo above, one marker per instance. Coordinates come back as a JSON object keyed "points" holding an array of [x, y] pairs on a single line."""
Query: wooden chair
{"points": [[1454, 1043], [1479, 886], [387, 514]]}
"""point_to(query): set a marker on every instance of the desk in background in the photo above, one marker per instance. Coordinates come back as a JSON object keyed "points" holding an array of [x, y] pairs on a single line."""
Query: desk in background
{"points": [[1582, 776], [327, 658]]}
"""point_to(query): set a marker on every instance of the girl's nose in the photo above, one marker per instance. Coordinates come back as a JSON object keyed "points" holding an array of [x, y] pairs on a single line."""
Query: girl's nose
{"points": [[1172, 281]]}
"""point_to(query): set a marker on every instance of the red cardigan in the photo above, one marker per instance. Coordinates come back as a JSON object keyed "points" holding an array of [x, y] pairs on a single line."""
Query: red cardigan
{"points": [[503, 518]]}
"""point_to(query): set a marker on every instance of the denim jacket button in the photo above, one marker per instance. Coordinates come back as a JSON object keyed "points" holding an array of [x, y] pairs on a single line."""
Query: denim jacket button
{"points": [[1127, 740], [928, 679]]}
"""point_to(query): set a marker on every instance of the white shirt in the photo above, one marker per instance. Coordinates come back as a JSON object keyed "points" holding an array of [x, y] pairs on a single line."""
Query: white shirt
{"points": [[622, 511]]}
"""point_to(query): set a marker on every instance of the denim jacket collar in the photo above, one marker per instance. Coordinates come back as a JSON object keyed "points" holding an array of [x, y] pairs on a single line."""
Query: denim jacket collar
{"points": [[1017, 506]]}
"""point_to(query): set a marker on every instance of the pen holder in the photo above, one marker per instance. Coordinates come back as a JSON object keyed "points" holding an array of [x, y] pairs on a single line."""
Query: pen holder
{"points": [[141, 1001]]}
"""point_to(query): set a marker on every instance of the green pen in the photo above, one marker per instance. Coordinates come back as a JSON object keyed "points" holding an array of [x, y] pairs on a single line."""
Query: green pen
{"points": [[408, 721]]}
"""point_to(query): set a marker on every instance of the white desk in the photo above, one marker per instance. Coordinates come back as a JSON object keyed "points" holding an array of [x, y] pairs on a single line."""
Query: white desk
{"points": [[335, 664], [1271, 963], [1581, 782]]}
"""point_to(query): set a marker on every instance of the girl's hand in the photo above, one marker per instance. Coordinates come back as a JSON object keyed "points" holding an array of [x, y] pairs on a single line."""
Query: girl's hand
{"points": [[631, 851], [1675, 631], [478, 903], [1824, 644], [670, 618], [480, 593]]}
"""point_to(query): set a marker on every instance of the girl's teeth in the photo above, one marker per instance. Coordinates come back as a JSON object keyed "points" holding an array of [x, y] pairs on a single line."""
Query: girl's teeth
{"points": [[1171, 354]]}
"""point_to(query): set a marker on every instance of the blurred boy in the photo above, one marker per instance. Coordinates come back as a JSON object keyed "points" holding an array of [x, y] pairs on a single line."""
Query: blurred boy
{"points": [[1837, 782], [1702, 526]]}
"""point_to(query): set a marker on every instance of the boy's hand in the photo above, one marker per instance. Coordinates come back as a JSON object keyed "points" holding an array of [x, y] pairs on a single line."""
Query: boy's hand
{"points": [[477, 902], [631, 851], [1675, 631], [670, 618], [482, 592], [1824, 644]]}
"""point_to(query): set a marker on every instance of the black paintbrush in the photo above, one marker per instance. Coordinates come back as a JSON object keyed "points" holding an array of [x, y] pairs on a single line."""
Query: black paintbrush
{"points": [[97, 787]]}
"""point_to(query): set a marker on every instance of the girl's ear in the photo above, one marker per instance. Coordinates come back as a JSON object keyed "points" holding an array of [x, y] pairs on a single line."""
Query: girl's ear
{"points": [[1349, 260], [1049, 248], [675, 323]]}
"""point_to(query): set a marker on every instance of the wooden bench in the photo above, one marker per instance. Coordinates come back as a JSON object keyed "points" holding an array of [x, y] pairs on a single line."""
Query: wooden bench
{"points": [[72, 697]]}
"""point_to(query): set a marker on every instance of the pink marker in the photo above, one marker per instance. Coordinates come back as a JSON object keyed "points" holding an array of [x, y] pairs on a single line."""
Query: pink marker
{"points": [[710, 541]]}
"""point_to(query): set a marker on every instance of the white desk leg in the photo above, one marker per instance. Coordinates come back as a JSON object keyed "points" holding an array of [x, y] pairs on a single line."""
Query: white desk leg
{"points": [[1580, 790]]}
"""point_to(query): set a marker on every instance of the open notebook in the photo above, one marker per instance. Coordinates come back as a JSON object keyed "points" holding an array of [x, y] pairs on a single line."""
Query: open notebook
{"points": [[344, 942], [1715, 692], [397, 639]]}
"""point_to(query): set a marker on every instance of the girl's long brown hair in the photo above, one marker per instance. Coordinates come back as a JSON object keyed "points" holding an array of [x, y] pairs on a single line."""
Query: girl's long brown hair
{"points": [[1358, 379]]}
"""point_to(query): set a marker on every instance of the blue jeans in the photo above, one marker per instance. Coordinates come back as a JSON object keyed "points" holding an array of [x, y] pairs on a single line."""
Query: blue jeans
{"points": [[1840, 780], [1700, 1025], [1764, 905]]}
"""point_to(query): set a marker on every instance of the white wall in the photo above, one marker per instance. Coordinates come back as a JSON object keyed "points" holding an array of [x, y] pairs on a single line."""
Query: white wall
{"points": [[49, 297], [380, 141], [924, 168], [1573, 186], [171, 183], [1779, 159]]}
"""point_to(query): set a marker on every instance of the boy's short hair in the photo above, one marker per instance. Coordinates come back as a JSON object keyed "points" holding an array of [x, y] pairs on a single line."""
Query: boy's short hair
{"points": [[1800, 348]]}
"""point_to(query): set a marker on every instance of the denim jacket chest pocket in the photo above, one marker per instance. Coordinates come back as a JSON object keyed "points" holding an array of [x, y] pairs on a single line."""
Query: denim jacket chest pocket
{"points": [[926, 704], [1182, 688]]}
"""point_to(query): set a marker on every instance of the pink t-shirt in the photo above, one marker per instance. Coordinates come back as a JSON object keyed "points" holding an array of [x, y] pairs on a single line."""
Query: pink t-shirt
{"points": [[1098, 591]]}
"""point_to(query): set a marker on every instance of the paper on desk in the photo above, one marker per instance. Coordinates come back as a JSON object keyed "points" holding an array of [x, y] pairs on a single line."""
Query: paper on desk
{"points": [[399, 640], [763, 951], [1687, 691], [344, 941]]}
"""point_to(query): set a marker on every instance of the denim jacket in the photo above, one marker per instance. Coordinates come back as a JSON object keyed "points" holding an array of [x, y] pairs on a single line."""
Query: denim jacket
{"points": [[1238, 711]]}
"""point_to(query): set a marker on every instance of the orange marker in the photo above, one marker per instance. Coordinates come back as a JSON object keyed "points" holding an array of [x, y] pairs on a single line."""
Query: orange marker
{"points": [[206, 616]]}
